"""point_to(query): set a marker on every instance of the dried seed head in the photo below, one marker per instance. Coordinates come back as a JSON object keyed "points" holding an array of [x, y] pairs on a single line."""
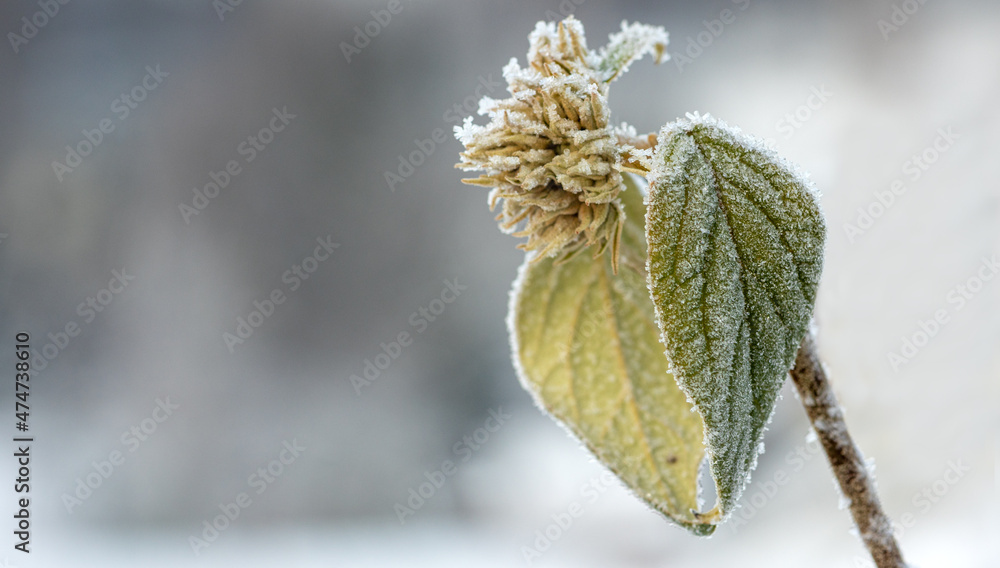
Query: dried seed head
{"points": [[548, 151]]}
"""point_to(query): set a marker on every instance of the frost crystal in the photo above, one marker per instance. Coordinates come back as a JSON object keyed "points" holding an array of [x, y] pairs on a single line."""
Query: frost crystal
{"points": [[548, 151], [631, 44]]}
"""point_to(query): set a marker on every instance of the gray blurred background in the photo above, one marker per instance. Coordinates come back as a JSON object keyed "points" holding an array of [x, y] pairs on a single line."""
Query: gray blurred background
{"points": [[224, 69]]}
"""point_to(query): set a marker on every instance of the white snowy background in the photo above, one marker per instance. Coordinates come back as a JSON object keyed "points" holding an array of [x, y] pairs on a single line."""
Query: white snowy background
{"points": [[888, 93]]}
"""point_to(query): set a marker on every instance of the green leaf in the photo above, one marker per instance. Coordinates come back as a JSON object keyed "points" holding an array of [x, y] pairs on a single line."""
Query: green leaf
{"points": [[735, 254], [587, 348]]}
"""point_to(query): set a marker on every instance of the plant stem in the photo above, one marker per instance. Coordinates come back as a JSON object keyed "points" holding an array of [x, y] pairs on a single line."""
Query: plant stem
{"points": [[827, 419]]}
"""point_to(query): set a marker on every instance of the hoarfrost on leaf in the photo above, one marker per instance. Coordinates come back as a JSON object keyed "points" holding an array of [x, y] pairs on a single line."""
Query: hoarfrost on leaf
{"points": [[723, 274], [586, 346], [629, 45], [735, 254]]}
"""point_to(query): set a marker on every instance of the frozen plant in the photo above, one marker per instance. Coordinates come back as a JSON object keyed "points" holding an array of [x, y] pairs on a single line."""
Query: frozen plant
{"points": [[695, 253]]}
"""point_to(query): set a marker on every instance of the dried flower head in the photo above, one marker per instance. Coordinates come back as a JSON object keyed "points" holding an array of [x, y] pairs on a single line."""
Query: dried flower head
{"points": [[549, 151]]}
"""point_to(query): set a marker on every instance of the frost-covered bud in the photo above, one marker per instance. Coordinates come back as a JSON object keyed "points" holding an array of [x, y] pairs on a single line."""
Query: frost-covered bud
{"points": [[549, 151]]}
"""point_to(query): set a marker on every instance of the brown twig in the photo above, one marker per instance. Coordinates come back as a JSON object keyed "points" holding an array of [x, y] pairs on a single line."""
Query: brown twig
{"points": [[827, 419]]}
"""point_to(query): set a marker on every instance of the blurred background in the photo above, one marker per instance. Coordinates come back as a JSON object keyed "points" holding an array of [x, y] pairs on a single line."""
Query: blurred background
{"points": [[219, 157]]}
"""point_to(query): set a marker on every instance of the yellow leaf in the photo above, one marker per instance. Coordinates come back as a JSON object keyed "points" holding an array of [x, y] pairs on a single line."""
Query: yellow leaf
{"points": [[587, 347]]}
